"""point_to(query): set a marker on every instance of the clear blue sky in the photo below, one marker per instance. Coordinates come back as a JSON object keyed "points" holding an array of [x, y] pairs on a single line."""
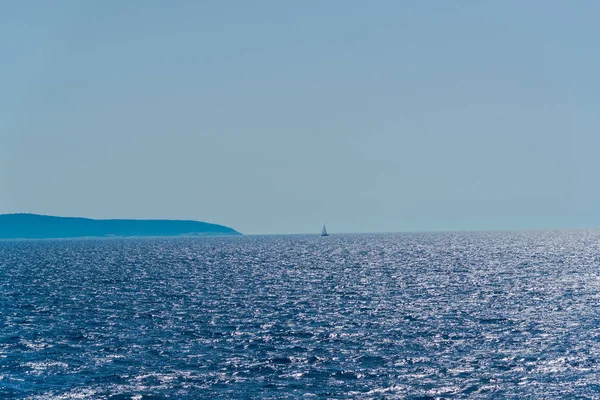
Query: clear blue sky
{"points": [[277, 116]]}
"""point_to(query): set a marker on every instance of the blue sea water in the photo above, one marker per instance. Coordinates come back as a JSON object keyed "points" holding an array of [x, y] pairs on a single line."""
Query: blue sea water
{"points": [[407, 316]]}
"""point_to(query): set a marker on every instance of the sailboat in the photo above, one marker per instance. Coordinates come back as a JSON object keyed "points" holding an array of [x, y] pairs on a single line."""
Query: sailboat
{"points": [[324, 231]]}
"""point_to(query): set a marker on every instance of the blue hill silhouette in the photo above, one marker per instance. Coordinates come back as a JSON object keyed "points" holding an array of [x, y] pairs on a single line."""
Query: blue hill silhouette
{"points": [[33, 226]]}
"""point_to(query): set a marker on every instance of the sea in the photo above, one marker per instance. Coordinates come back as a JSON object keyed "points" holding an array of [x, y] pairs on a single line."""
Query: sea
{"points": [[503, 315]]}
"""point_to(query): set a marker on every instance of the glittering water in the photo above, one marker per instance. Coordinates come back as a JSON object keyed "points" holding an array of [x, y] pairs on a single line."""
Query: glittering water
{"points": [[502, 315]]}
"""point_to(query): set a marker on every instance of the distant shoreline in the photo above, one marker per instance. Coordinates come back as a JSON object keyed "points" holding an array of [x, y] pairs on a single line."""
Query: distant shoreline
{"points": [[35, 226]]}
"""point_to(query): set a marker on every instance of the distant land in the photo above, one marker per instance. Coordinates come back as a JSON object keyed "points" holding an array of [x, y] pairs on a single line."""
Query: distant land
{"points": [[33, 226]]}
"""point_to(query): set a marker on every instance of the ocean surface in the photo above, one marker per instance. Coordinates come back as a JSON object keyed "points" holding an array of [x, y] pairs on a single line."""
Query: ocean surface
{"points": [[406, 316]]}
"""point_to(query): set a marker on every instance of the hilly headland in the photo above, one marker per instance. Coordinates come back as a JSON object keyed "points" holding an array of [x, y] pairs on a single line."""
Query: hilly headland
{"points": [[34, 226]]}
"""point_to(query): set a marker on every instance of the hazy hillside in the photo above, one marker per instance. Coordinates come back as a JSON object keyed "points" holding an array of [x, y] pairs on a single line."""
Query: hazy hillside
{"points": [[32, 226]]}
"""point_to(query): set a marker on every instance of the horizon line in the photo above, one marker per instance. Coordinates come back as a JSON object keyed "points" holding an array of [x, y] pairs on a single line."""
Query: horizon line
{"points": [[442, 230]]}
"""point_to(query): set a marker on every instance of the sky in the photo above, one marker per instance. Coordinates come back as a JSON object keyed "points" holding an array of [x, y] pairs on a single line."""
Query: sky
{"points": [[277, 116]]}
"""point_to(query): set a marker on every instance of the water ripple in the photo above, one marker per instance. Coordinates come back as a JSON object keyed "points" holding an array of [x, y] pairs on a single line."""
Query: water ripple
{"points": [[408, 316]]}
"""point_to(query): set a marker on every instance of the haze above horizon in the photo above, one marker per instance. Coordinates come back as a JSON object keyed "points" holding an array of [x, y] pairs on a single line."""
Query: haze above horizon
{"points": [[274, 117]]}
